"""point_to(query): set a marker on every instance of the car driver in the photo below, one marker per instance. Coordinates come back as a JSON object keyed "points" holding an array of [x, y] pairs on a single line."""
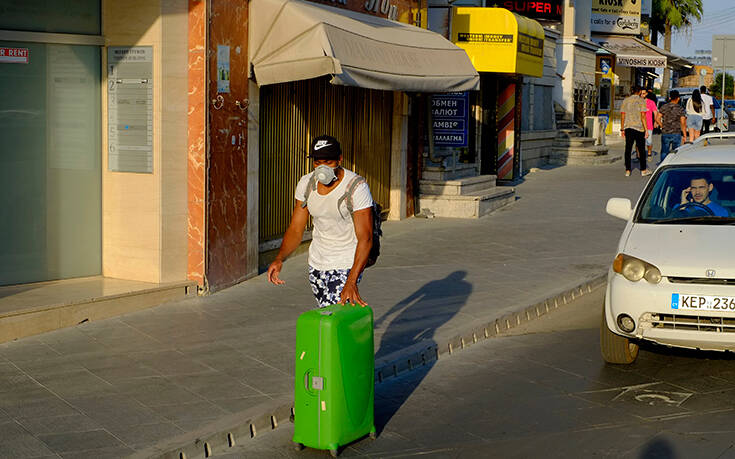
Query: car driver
{"points": [[698, 191]]}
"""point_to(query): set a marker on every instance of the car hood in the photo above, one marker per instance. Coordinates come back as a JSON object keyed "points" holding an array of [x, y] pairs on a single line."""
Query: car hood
{"points": [[685, 250]]}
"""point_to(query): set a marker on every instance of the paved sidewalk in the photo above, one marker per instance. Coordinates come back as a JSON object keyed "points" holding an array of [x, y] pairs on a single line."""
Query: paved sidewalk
{"points": [[109, 388]]}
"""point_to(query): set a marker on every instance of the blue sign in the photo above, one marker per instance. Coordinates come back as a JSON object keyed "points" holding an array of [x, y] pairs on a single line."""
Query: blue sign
{"points": [[450, 118]]}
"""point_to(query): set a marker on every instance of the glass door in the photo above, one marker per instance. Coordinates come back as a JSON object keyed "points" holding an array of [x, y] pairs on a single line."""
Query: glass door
{"points": [[50, 174]]}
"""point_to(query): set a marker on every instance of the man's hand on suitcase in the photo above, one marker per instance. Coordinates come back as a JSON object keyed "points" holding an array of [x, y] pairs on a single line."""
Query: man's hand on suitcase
{"points": [[273, 271], [351, 295]]}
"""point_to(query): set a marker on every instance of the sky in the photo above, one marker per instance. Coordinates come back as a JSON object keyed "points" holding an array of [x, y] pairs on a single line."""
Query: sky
{"points": [[718, 18]]}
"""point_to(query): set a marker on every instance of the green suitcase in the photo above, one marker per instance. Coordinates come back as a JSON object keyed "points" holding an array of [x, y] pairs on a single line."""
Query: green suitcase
{"points": [[334, 390]]}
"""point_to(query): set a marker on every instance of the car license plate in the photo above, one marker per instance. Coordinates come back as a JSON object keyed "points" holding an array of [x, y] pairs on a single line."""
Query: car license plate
{"points": [[702, 302]]}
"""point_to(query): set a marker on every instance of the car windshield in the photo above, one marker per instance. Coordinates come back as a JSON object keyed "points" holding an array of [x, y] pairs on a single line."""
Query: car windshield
{"points": [[690, 195]]}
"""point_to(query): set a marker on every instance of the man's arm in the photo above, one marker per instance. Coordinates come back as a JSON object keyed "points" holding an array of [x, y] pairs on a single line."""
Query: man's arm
{"points": [[683, 121], [291, 240], [645, 124], [622, 124], [363, 221], [659, 118]]}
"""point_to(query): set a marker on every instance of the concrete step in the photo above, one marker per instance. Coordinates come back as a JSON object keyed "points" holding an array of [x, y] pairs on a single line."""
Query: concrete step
{"points": [[459, 187], [574, 142], [591, 151], [565, 133], [467, 206], [584, 160], [30, 309], [460, 170]]}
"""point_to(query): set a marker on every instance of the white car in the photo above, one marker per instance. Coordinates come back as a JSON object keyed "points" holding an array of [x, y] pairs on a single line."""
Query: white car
{"points": [[673, 280]]}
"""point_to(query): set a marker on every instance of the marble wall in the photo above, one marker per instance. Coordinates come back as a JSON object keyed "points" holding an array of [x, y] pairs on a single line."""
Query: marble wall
{"points": [[227, 247], [196, 140]]}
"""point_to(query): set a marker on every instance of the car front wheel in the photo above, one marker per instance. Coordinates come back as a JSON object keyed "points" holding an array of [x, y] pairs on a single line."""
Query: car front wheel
{"points": [[615, 348]]}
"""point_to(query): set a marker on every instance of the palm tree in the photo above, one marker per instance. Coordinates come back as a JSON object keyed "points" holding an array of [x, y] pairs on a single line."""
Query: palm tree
{"points": [[669, 15]]}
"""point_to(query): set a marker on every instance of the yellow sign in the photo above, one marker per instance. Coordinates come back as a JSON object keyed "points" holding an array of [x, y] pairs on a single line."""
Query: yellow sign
{"points": [[616, 16], [499, 41]]}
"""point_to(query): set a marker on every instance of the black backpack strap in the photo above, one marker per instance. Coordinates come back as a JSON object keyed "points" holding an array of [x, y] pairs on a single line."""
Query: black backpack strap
{"points": [[347, 196], [310, 186]]}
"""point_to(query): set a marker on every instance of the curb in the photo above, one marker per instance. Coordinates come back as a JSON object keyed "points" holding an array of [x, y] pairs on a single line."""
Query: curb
{"points": [[237, 428]]}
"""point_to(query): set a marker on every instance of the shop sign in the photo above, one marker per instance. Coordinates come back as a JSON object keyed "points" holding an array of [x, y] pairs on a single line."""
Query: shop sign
{"points": [[616, 16], [530, 45], [547, 10], [382, 7], [641, 61], [14, 55], [450, 115]]}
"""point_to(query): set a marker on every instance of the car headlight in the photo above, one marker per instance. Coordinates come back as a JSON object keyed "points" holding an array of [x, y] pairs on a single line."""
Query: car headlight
{"points": [[635, 269]]}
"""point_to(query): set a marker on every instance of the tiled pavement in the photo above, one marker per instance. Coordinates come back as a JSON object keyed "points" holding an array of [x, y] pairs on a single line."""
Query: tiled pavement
{"points": [[109, 388]]}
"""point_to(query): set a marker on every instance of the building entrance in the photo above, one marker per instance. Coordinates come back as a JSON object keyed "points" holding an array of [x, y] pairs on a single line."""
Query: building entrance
{"points": [[50, 177]]}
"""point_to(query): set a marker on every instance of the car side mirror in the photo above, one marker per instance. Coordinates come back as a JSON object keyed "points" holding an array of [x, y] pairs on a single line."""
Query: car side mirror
{"points": [[620, 208]]}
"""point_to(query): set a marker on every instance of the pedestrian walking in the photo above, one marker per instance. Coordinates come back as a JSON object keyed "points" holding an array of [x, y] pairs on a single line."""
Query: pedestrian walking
{"points": [[708, 103], [340, 203], [633, 128], [673, 121], [695, 112], [651, 119]]}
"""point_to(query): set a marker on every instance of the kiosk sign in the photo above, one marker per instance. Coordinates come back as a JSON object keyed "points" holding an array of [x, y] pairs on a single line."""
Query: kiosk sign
{"points": [[616, 16], [449, 115]]}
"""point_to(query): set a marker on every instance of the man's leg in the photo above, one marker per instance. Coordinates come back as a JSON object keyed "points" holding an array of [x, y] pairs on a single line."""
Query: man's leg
{"points": [[629, 139], [705, 126], [327, 285], [666, 140], [640, 141]]}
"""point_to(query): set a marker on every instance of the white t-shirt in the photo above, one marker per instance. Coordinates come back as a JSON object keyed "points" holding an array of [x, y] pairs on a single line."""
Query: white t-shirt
{"points": [[333, 241], [707, 103]]}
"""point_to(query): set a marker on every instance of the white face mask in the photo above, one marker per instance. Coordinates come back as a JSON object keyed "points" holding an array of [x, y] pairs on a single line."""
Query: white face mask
{"points": [[325, 174]]}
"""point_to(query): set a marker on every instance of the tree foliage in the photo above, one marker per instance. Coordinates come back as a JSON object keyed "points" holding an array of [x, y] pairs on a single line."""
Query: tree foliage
{"points": [[677, 14], [716, 88]]}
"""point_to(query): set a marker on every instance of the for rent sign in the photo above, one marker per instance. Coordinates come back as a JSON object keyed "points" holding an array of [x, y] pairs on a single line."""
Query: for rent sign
{"points": [[14, 55], [616, 16]]}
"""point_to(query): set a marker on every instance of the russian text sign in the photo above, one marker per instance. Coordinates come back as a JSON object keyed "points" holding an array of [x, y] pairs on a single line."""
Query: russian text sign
{"points": [[450, 116]]}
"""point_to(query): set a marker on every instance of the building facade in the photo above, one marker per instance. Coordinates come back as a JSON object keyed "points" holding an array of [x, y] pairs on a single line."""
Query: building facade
{"points": [[160, 141]]}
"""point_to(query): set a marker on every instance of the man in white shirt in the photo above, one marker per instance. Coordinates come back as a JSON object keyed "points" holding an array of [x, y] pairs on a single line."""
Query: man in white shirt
{"points": [[708, 104], [341, 242]]}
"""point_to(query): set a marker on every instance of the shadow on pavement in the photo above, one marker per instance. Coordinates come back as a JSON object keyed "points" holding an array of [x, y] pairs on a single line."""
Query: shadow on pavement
{"points": [[418, 317], [658, 448]]}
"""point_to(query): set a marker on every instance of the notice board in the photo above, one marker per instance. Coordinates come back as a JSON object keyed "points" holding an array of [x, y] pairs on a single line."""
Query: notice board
{"points": [[130, 109]]}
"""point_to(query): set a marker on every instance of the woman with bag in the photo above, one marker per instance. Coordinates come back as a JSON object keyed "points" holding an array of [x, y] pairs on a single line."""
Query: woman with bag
{"points": [[651, 116], [695, 110]]}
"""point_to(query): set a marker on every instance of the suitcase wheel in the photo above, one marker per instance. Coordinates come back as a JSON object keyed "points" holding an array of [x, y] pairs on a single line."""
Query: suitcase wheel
{"points": [[373, 435], [334, 452], [298, 446]]}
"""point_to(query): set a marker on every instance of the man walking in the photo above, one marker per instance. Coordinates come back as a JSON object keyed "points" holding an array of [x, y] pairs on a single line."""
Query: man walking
{"points": [[341, 241], [633, 128], [673, 121], [708, 104]]}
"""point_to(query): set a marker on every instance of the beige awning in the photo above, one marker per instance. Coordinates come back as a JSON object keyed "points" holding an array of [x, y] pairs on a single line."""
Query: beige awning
{"points": [[292, 40], [631, 52]]}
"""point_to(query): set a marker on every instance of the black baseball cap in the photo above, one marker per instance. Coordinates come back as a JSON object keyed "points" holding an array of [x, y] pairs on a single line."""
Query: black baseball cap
{"points": [[324, 147]]}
